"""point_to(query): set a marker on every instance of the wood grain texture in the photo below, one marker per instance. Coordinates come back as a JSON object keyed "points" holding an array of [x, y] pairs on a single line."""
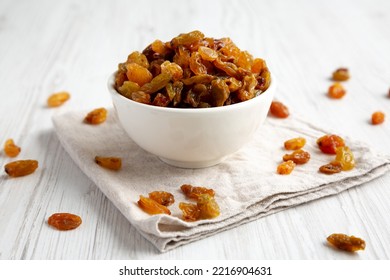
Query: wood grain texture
{"points": [[48, 46]]}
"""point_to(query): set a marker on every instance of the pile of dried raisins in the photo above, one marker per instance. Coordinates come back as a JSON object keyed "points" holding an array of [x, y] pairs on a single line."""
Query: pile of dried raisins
{"points": [[192, 71]]}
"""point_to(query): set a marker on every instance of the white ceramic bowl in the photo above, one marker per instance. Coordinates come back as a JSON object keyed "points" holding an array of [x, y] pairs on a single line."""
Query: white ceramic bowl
{"points": [[191, 138]]}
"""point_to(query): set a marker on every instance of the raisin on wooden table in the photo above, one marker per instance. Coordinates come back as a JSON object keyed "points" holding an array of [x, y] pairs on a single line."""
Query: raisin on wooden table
{"points": [[346, 243], [377, 118], [336, 91], [10, 149], [279, 110], [64, 221], [57, 99], [341, 74], [21, 168]]}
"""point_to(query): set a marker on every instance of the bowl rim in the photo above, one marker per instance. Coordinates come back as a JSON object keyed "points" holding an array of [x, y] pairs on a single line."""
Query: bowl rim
{"points": [[227, 108]]}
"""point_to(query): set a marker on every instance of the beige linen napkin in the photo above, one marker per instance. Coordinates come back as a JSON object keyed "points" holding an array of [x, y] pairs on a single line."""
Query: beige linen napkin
{"points": [[246, 184]]}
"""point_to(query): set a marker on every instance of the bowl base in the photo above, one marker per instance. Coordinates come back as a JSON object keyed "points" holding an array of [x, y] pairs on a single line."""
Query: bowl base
{"points": [[192, 164]]}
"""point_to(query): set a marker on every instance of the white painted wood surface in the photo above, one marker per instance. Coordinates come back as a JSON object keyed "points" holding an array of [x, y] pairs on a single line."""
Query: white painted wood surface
{"points": [[48, 46]]}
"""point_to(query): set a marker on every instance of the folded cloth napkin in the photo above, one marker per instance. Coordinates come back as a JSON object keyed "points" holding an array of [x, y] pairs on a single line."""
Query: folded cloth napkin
{"points": [[246, 183]]}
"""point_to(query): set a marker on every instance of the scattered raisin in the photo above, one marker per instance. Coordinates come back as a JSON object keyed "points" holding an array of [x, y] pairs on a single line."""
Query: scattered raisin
{"points": [[10, 149], [208, 207], [64, 221], [295, 143], [345, 157], [113, 163], [57, 99], [329, 143], [331, 168], [336, 91], [377, 118], [347, 243], [195, 192], [298, 157], [152, 207], [96, 116], [21, 167], [163, 198], [285, 167], [190, 211], [279, 110], [341, 74]]}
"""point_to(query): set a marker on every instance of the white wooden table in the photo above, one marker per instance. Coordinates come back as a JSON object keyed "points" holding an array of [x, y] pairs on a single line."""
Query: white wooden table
{"points": [[48, 46]]}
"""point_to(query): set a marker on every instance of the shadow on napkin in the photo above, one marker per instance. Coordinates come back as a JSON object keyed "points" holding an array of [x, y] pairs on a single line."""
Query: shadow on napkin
{"points": [[246, 184]]}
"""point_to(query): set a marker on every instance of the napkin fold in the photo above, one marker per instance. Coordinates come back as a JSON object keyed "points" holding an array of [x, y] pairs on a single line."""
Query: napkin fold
{"points": [[246, 184]]}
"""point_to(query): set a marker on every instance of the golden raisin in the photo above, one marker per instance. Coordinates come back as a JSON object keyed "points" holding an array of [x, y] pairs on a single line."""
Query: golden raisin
{"points": [[258, 65], [341, 74], [57, 99], [329, 143], [377, 118], [96, 116], [138, 74], [163, 198], [135, 57], [295, 143], [152, 207], [10, 149], [21, 167], [207, 53], [345, 157], [159, 47], [195, 192], [336, 91], [113, 163], [347, 243], [279, 110], [64, 221], [331, 168], [298, 156], [285, 167], [173, 69], [161, 100], [190, 211], [208, 207]]}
